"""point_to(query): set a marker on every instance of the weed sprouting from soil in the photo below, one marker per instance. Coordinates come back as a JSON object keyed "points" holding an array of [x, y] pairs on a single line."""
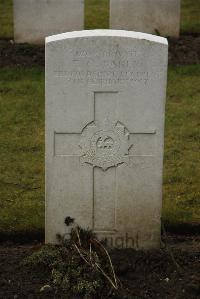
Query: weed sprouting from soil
{"points": [[78, 266]]}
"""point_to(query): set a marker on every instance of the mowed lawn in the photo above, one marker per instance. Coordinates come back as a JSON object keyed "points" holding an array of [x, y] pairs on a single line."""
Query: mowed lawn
{"points": [[97, 16], [22, 149]]}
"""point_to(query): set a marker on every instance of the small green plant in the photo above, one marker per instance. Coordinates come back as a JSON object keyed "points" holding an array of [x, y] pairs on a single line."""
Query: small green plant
{"points": [[78, 266]]}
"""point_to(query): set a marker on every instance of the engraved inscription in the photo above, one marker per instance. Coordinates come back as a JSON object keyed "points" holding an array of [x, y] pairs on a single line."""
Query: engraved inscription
{"points": [[112, 52], [113, 66], [102, 77], [116, 65], [108, 66]]}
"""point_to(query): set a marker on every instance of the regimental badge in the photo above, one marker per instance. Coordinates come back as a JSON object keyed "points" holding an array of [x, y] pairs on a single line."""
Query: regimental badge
{"points": [[105, 144]]}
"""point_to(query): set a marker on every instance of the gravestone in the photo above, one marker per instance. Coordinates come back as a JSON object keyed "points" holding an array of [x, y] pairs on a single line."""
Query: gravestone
{"points": [[105, 110], [160, 17], [36, 19]]}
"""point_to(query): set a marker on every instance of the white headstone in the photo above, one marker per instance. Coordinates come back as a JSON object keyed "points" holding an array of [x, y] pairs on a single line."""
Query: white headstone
{"points": [[36, 19], [160, 17], [105, 110]]}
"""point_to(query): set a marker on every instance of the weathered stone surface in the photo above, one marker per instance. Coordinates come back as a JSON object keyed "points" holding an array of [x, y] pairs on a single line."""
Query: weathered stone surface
{"points": [[36, 19], [151, 16], [105, 110]]}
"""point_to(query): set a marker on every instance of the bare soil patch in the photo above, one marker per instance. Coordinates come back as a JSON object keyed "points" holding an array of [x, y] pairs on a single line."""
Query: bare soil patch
{"points": [[185, 50], [143, 275]]}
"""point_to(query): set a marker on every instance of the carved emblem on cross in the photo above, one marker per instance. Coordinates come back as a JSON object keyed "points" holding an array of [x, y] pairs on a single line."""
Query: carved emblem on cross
{"points": [[105, 144]]}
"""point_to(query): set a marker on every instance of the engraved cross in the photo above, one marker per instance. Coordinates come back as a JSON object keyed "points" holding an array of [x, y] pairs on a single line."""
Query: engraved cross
{"points": [[104, 143]]}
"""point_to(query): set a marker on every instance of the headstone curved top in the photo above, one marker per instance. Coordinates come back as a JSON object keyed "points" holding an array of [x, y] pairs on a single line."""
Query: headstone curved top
{"points": [[105, 99], [36, 19]]}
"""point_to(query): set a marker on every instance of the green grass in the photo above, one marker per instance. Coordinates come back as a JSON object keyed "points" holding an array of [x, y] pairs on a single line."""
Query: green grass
{"points": [[22, 149], [190, 16], [6, 19], [97, 16], [182, 147]]}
